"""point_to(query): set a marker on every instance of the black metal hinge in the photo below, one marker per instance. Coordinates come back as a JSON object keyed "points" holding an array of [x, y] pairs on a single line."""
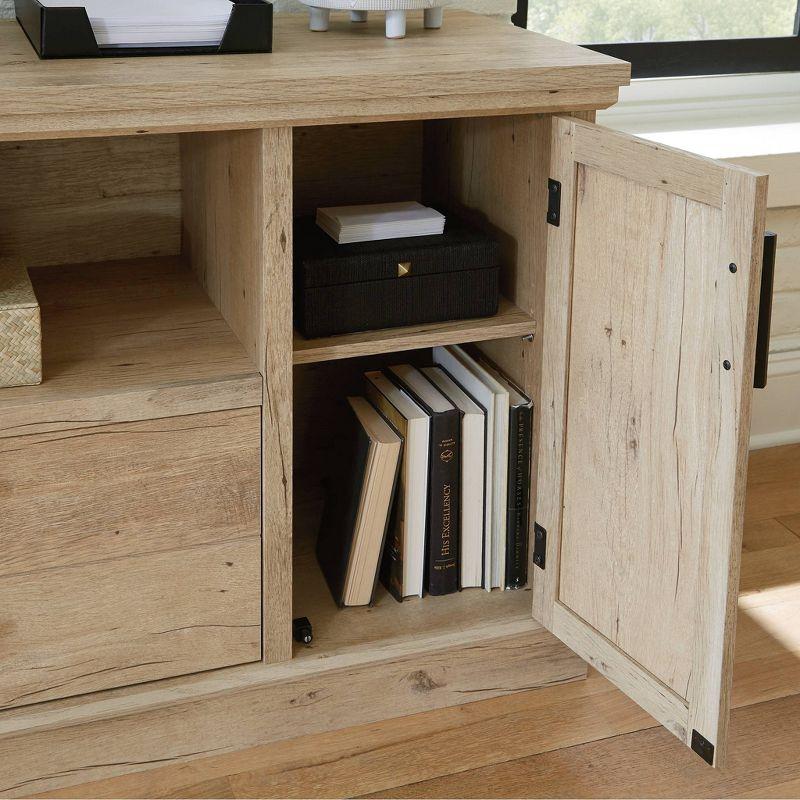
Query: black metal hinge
{"points": [[554, 202], [539, 546], [703, 747]]}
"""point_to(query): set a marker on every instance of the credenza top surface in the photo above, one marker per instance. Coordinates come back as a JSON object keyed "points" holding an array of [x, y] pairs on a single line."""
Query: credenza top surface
{"points": [[472, 66]]}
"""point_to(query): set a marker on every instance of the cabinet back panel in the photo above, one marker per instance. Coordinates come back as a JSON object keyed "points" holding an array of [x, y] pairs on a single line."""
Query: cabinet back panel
{"points": [[353, 164], [89, 199]]}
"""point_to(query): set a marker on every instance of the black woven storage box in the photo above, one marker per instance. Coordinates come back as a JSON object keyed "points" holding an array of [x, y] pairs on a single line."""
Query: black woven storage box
{"points": [[344, 288]]}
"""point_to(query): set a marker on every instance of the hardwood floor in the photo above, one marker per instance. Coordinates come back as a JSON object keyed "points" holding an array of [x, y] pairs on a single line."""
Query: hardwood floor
{"points": [[578, 740]]}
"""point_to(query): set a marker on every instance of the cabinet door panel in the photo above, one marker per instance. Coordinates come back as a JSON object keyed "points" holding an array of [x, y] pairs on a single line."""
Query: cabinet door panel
{"points": [[648, 364]]}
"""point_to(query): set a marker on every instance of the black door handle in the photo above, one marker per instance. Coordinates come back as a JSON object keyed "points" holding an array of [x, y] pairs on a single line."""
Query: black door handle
{"points": [[765, 310]]}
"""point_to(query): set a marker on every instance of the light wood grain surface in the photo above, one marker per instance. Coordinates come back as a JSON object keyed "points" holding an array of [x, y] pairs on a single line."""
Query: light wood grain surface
{"points": [[337, 165], [472, 66], [231, 710], [127, 341], [89, 200], [510, 321], [114, 491], [106, 624], [237, 234], [575, 740], [645, 560]]}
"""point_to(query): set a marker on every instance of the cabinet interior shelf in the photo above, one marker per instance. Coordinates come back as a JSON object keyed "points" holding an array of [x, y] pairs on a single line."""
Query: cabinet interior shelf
{"points": [[508, 322], [386, 622], [124, 341]]}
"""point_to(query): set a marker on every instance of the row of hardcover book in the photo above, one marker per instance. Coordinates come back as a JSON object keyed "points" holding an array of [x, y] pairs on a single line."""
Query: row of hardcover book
{"points": [[431, 491]]}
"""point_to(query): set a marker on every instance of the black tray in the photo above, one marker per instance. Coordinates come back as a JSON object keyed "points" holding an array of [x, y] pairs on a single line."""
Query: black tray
{"points": [[67, 33]]}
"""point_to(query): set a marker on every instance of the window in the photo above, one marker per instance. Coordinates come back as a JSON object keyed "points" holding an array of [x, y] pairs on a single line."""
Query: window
{"points": [[676, 37]]}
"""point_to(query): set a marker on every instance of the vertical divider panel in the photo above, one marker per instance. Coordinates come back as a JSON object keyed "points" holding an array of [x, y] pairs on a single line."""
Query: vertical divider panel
{"points": [[237, 235], [493, 171]]}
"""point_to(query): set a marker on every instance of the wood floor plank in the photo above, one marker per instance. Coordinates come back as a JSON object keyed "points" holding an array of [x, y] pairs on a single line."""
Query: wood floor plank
{"points": [[765, 740], [774, 464], [768, 533], [772, 500], [791, 523]]}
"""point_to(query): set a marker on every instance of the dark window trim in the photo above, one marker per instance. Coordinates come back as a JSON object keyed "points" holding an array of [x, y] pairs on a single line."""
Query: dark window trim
{"points": [[710, 57]]}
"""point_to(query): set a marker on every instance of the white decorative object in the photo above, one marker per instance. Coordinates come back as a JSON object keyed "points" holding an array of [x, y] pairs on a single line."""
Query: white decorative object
{"points": [[395, 11]]}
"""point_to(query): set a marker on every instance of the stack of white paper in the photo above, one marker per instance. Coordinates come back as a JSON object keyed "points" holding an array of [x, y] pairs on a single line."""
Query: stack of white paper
{"points": [[142, 23], [371, 223]]}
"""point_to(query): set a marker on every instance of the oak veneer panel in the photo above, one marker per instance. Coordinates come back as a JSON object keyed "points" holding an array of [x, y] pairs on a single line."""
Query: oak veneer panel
{"points": [[509, 321], [89, 200], [238, 238], [473, 66], [134, 729], [494, 172], [42, 174], [125, 341], [337, 165], [94, 494], [641, 312], [653, 165], [639, 520], [109, 623], [94, 230]]}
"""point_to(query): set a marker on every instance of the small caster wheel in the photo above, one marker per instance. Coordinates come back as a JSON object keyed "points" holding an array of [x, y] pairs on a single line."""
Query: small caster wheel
{"points": [[301, 630]]}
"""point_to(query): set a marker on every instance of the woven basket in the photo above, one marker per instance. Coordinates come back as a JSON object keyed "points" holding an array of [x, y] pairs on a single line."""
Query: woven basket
{"points": [[20, 330]]}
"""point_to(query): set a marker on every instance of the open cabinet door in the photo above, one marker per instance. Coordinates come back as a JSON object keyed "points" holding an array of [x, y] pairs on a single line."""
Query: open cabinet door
{"points": [[649, 343]]}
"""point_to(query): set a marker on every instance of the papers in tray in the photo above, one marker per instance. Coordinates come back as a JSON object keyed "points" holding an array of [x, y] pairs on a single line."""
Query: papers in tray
{"points": [[120, 23], [372, 223]]}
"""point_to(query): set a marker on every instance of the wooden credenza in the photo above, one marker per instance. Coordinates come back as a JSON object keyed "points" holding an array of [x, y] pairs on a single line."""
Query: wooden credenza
{"points": [[160, 489]]}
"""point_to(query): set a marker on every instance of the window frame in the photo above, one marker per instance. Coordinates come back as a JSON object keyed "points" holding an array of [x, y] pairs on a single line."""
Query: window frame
{"points": [[706, 57]]}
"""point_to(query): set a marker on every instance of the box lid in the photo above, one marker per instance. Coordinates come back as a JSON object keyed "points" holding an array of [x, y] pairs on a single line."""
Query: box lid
{"points": [[319, 261]]}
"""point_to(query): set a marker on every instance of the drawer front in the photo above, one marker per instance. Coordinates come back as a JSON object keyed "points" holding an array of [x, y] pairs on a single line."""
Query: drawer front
{"points": [[128, 553]]}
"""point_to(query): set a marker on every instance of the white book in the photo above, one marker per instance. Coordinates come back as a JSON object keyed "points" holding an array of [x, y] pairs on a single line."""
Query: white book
{"points": [[154, 22], [476, 380], [473, 474], [414, 425], [376, 222]]}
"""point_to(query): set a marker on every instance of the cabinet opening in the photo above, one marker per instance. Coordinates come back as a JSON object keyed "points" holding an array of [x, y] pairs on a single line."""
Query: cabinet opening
{"points": [[131, 474], [455, 166], [105, 230], [319, 412]]}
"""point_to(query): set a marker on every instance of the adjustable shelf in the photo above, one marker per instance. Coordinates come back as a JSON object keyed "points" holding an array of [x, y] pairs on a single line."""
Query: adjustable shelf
{"points": [[509, 321]]}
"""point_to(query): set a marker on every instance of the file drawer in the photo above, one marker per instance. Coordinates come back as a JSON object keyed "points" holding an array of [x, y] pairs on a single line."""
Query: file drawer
{"points": [[130, 552]]}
